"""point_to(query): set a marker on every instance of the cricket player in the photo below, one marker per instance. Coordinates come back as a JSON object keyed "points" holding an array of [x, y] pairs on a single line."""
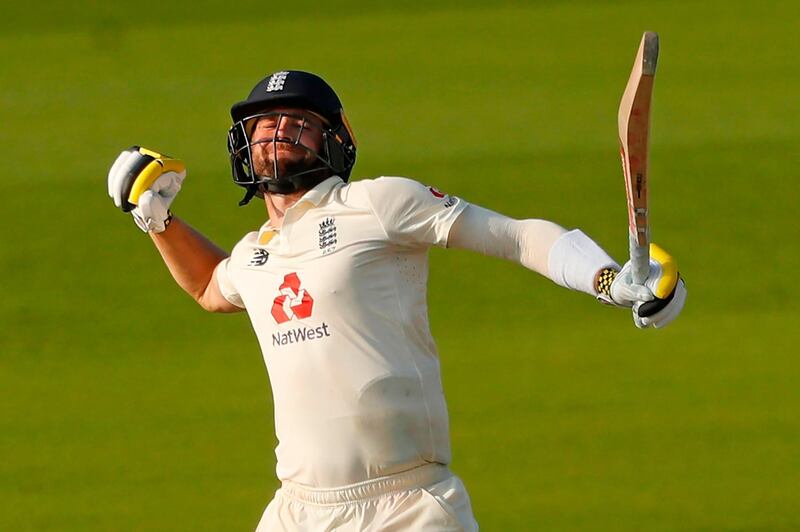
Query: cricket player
{"points": [[334, 284]]}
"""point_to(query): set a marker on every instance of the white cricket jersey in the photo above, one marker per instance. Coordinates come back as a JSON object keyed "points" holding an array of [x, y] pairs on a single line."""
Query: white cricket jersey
{"points": [[337, 297]]}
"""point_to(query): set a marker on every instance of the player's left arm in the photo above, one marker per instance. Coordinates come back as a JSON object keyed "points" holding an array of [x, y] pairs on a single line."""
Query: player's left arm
{"points": [[573, 260]]}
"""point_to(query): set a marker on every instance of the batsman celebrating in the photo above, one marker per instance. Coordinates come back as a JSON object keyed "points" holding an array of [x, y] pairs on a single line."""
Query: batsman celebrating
{"points": [[334, 284]]}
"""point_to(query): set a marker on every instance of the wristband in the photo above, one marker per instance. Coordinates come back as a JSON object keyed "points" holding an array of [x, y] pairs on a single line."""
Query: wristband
{"points": [[604, 280]]}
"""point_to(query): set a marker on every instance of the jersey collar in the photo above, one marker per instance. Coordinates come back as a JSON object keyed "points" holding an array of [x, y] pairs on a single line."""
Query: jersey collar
{"points": [[318, 193], [313, 196]]}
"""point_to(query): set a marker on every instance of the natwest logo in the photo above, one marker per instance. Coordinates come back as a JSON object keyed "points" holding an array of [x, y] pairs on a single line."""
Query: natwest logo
{"points": [[293, 301]]}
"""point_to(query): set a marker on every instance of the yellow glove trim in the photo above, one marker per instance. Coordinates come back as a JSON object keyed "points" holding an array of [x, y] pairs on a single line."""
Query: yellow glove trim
{"points": [[151, 153], [669, 271], [155, 169]]}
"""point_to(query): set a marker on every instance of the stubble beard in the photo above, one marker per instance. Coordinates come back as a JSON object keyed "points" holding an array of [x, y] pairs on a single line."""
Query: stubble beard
{"points": [[290, 161]]}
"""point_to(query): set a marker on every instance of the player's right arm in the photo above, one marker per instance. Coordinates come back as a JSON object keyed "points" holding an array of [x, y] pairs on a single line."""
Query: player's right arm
{"points": [[145, 183], [192, 259]]}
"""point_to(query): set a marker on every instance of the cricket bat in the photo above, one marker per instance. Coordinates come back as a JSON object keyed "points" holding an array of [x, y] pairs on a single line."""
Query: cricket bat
{"points": [[633, 121]]}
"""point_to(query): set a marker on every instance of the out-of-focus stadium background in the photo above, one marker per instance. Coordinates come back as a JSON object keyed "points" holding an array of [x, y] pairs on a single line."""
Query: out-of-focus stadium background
{"points": [[124, 407]]}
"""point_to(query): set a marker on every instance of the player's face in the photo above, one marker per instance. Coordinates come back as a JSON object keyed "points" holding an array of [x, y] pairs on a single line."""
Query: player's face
{"points": [[287, 139]]}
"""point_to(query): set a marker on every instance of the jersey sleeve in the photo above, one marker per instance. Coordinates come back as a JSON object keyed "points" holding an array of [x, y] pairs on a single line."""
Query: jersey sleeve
{"points": [[225, 274], [411, 213], [226, 286]]}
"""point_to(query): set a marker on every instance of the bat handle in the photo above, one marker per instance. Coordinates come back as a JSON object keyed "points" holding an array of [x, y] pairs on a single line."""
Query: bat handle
{"points": [[640, 260]]}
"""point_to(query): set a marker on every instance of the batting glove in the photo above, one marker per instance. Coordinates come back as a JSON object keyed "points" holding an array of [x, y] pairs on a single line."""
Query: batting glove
{"points": [[145, 183], [659, 300]]}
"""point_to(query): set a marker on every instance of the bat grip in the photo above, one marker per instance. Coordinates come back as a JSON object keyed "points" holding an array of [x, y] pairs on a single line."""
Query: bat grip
{"points": [[640, 260]]}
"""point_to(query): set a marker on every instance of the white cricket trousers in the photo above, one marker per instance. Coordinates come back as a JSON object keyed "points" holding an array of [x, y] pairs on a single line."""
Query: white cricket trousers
{"points": [[426, 499]]}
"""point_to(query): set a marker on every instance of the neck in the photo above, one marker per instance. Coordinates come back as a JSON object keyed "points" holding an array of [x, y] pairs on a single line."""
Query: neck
{"points": [[278, 204]]}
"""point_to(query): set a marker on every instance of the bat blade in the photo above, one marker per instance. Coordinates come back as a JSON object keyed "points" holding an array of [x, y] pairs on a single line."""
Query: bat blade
{"points": [[633, 123]]}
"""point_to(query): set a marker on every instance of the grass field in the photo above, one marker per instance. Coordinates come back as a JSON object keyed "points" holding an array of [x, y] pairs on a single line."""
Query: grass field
{"points": [[124, 407]]}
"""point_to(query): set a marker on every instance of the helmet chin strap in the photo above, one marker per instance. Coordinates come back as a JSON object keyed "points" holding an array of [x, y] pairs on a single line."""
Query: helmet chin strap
{"points": [[251, 191], [302, 181]]}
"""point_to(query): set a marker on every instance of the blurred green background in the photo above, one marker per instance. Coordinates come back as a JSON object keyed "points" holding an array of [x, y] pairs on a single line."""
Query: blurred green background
{"points": [[123, 406]]}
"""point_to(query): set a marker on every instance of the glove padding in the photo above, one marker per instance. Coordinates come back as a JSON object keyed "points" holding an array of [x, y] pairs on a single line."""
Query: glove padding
{"points": [[660, 299], [145, 183], [662, 311]]}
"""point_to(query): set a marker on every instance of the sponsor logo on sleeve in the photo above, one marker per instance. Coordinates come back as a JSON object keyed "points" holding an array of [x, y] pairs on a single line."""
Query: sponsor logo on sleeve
{"points": [[449, 200], [436, 192]]}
